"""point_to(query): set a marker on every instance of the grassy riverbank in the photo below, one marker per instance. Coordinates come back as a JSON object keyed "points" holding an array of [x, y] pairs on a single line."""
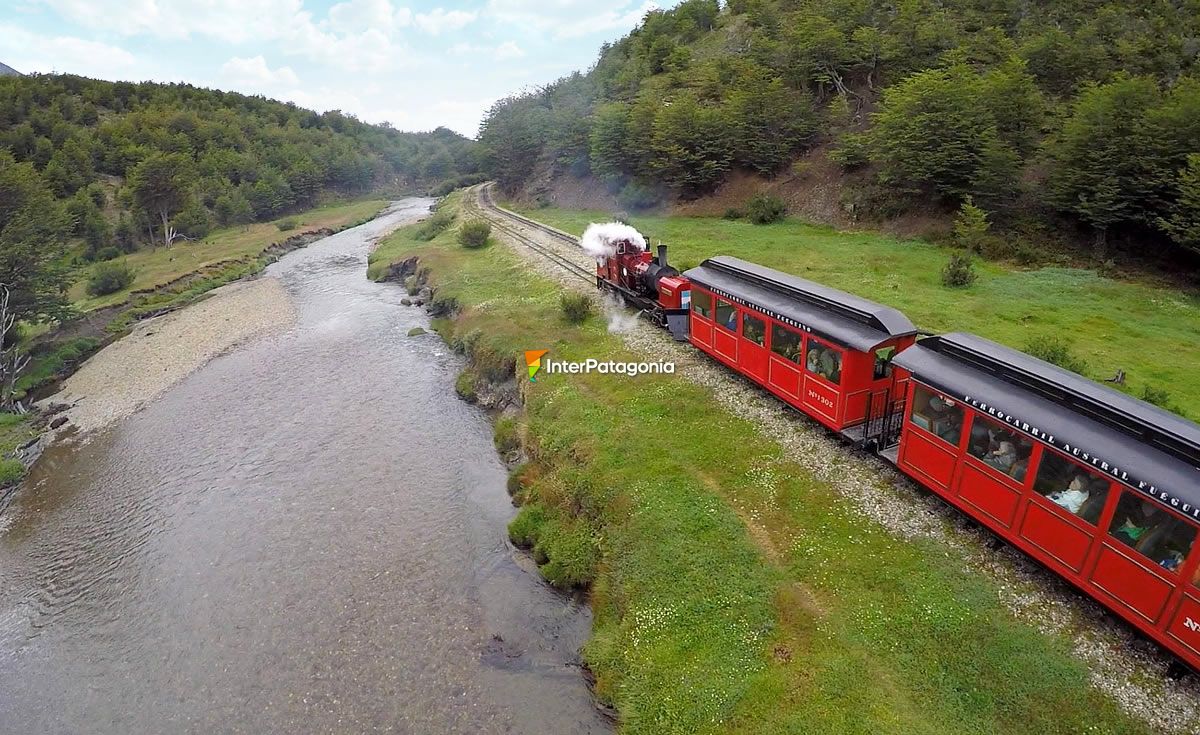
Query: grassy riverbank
{"points": [[157, 266], [1146, 330], [169, 278], [14, 431], [733, 591]]}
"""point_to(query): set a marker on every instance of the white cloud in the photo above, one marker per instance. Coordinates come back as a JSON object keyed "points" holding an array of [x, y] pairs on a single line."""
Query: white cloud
{"points": [[356, 16], [235, 21], [356, 36], [29, 52], [440, 20], [569, 18], [508, 50], [255, 74]]}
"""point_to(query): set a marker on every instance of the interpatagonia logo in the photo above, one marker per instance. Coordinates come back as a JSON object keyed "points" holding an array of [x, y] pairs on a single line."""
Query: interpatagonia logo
{"points": [[533, 359]]}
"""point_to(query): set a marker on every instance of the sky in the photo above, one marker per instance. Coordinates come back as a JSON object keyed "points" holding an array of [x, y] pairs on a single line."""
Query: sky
{"points": [[417, 64]]}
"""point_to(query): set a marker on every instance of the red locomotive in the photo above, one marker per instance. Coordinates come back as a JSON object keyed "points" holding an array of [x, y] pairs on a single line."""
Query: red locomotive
{"points": [[625, 266], [1101, 488]]}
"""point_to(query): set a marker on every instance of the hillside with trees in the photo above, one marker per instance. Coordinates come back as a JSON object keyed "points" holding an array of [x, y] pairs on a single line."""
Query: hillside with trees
{"points": [[1078, 117], [117, 166]]}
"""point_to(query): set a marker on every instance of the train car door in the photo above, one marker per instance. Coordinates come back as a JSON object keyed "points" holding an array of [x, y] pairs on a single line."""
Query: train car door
{"points": [[701, 332], [725, 339], [784, 360], [753, 346], [822, 380]]}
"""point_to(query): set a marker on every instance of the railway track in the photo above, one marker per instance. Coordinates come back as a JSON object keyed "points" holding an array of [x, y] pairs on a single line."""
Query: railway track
{"points": [[510, 222]]}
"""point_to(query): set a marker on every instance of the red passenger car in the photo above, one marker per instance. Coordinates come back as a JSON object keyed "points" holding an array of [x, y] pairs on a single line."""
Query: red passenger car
{"points": [[1102, 488], [824, 351]]}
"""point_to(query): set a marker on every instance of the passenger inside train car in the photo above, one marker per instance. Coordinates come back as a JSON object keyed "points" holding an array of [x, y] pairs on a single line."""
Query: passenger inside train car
{"points": [[939, 416], [785, 343], [1071, 487], [824, 361], [1000, 447], [1152, 532]]}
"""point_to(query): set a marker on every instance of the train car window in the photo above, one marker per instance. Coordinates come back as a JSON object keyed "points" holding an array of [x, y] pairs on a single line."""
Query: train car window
{"points": [[702, 303], [939, 416], [824, 361], [1072, 487], [726, 315], [754, 329], [999, 446], [883, 362], [1152, 531], [785, 343]]}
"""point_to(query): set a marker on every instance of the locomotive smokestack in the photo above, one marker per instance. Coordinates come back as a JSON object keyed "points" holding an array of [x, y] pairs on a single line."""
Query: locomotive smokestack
{"points": [[662, 255]]}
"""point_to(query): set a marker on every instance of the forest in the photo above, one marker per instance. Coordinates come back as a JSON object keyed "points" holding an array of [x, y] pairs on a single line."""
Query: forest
{"points": [[90, 170], [1077, 118]]}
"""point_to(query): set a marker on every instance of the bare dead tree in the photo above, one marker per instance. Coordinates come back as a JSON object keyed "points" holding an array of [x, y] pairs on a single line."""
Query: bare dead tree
{"points": [[12, 360]]}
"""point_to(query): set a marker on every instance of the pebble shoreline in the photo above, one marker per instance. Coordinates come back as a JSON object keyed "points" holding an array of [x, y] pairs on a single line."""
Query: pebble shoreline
{"points": [[1125, 666], [160, 352]]}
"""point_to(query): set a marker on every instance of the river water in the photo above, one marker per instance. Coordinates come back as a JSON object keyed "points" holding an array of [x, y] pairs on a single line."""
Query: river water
{"points": [[306, 535]]}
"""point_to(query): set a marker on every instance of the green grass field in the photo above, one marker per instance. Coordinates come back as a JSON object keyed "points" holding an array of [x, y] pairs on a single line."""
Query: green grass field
{"points": [[1150, 332], [157, 266], [733, 592]]}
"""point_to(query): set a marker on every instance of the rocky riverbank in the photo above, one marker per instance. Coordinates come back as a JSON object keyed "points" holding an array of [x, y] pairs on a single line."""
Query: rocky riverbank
{"points": [[160, 352]]}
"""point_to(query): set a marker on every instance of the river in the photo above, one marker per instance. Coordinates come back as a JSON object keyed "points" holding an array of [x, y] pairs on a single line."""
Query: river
{"points": [[306, 535]]}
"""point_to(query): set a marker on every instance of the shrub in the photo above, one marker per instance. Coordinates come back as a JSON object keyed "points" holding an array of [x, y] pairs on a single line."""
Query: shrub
{"points": [[109, 278], [474, 234], [1056, 351], [763, 209], [107, 253], [11, 472], [287, 223], [635, 195], [1160, 397], [576, 307], [434, 226], [959, 272], [853, 150], [733, 213], [971, 227], [459, 182]]}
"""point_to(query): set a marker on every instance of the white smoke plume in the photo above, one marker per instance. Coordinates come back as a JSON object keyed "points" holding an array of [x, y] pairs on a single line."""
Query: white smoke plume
{"points": [[600, 241], [620, 319]]}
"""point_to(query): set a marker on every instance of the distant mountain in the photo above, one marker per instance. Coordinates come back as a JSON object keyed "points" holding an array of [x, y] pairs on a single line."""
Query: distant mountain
{"points": [[8, 71]]}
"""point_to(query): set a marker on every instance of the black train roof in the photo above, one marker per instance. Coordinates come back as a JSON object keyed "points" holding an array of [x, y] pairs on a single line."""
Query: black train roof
{"points": [[1157, 451], [841, 317]]}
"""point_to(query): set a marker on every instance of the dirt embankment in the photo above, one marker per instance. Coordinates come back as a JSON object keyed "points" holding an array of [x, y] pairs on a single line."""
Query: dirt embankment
{"points": [[815, 188]]}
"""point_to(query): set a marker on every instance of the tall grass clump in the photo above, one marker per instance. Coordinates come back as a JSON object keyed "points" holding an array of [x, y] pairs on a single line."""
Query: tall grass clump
{"points": [[287, 223], [576, 307], [474, 234], [433, 226]]}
